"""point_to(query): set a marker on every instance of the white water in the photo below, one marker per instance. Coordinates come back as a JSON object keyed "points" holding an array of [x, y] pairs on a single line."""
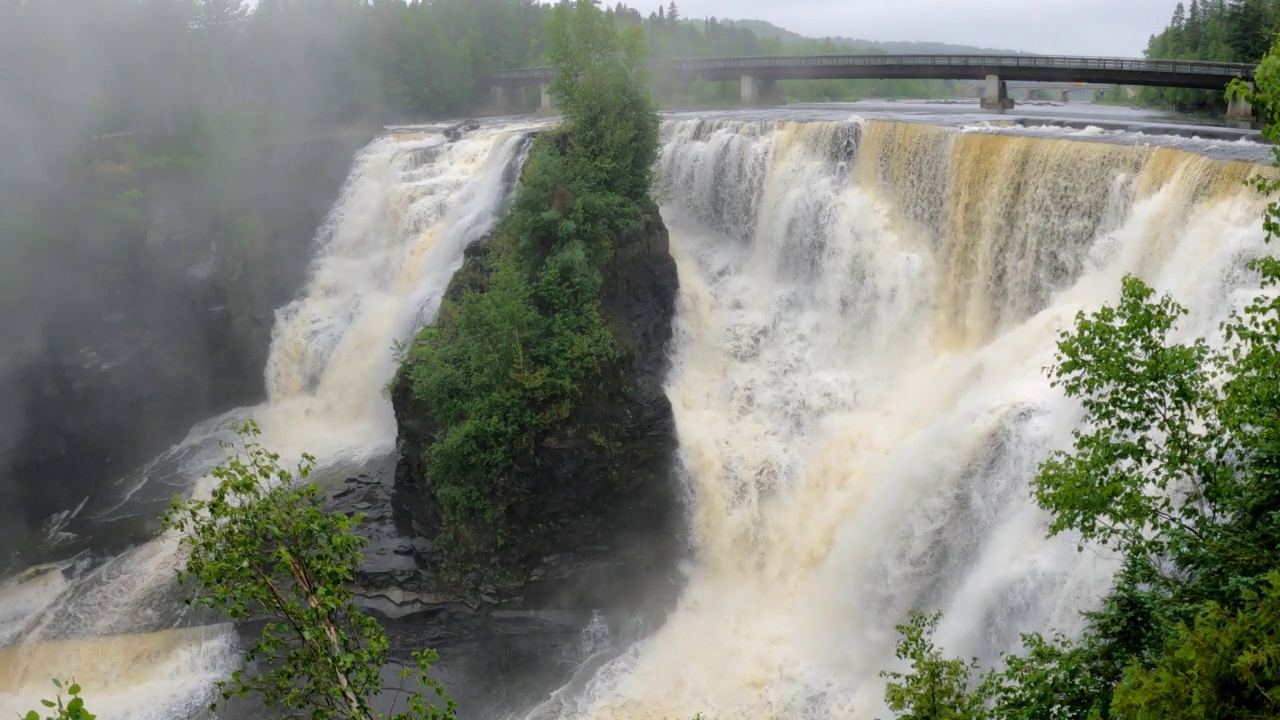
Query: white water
{"points": [[384, 257], [860, 398], [865, 313]]}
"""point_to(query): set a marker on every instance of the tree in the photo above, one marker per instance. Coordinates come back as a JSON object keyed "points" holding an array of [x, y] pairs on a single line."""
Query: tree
{"points": [[673, 14], [1175, 467], [602, 91], [935, 688], [1195, 29], [508, 361], [262, 548], [1249, 28], [1226, 664], [1116, 485]]}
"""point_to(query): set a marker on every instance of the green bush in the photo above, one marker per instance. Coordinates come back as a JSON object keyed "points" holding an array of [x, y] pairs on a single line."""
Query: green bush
{"points": [[508, 360]]}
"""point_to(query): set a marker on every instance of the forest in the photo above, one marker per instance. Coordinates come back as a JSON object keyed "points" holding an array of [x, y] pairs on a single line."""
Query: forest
{"points": [[1213, 30], [167, 66], [112, 97]]}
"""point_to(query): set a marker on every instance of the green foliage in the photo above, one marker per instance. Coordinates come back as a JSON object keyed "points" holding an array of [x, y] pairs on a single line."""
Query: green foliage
{"points": [[1176, 467], [602, 91], [1226, 664], [494, 370], [936, 688], [509, 359], [1213, 30], [72, 709], [1054, 680], [1139, 441], [262, 548]]}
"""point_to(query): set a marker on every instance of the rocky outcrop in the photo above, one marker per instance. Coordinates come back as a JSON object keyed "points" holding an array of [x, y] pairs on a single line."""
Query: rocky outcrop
{"points": [[599, 526]]}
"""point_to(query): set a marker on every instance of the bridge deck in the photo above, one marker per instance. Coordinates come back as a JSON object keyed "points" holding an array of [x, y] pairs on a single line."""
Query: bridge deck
{"points": [[1042, 68]]}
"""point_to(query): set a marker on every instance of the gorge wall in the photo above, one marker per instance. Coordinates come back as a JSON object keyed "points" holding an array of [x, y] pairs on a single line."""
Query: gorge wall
{"points": [[160, 317]]}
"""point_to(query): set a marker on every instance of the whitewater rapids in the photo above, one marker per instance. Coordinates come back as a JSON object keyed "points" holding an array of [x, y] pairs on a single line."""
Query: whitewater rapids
{"points": [[866, 310], [866, 313], [384, 257]]}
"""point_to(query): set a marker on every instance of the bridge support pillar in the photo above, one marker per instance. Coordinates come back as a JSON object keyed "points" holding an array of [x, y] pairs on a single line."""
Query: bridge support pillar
{"points": [[1098, 95], [1063, 96], [548, 103], [996, 96], [758, 91], [1240, 112]]}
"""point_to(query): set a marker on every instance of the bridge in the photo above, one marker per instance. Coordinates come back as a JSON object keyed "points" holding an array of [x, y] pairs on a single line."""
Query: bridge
{"points": [[758, 75], [1062, 91]]}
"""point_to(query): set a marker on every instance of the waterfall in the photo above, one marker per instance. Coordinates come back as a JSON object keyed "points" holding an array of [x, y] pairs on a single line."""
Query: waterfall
{"points": [[384, 257], [866, 312]]}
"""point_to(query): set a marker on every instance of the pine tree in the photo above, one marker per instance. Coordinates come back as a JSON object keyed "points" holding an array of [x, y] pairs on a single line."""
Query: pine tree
{"points": [[1177, 31], [1195, 29]]}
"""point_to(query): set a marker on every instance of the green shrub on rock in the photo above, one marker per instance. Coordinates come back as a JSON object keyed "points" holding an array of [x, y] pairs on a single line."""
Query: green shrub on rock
{"points": [[508, 358]]}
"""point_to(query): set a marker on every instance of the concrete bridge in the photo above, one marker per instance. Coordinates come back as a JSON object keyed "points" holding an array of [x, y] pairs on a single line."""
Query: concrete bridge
{"points": [[758, 76]]}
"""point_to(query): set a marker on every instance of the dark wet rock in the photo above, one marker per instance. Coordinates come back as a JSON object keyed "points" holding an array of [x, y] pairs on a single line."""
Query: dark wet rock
{"points": [[599, 528]]}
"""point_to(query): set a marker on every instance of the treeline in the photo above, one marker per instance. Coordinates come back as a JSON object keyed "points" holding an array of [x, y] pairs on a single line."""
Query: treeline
{"points": [[1213, 30], [129, 65], [670, 35], [195, 86]]}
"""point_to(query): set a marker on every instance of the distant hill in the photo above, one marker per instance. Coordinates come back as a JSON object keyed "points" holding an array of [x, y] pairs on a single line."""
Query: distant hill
{"points": [[764, 29]]}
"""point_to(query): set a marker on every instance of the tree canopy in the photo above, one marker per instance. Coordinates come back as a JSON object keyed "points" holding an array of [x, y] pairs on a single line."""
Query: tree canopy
{"points": [[1216, 30], [509, 359]]}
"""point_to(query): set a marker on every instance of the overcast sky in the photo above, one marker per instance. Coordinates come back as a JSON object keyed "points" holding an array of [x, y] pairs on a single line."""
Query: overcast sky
{"points": [[1063, 27]]}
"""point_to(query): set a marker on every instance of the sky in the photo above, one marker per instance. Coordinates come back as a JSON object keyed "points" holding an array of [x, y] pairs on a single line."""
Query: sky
{"points": [[1117, 28]]}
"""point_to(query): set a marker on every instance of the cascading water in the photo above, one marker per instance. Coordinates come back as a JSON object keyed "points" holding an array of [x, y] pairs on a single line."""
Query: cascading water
{"points": [[866, 311], [384, 257]]}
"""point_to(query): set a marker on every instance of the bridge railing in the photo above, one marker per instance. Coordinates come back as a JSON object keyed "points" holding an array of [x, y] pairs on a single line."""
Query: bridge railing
{"points": [[1019, 61], [986, 61]]}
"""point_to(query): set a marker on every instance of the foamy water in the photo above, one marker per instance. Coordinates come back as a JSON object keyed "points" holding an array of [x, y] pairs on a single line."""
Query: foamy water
{"points": [[866, 313], [384, 257]]}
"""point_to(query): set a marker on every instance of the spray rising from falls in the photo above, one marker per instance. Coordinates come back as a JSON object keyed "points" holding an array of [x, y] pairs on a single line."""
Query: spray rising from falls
{"points": [[384, 257], [866, 311]]}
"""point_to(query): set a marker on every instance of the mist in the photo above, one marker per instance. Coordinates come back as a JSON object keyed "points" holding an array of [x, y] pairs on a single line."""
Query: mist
{"points": [[169, 162]]}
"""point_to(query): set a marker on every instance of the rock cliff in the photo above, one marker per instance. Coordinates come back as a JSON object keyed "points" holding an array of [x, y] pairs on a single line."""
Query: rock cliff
{"points": [[148, 327], [599, 524]]}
